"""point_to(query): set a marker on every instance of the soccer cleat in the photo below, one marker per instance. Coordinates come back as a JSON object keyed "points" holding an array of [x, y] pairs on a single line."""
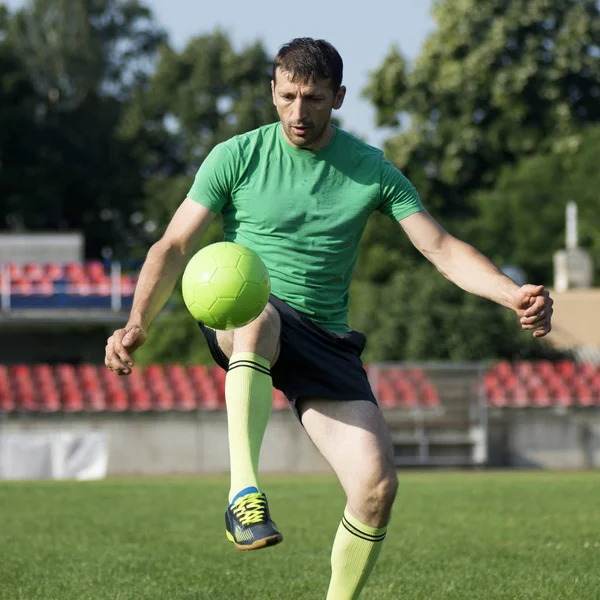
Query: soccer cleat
{"points": [[248, 522]]}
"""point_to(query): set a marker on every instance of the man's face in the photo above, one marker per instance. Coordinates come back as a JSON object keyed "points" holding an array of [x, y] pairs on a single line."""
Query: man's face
{"points": [[305, 109]]}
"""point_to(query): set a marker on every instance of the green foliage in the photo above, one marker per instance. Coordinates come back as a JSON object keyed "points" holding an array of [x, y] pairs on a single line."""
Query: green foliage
{"points": [[74, 48], [496, 81], [522, 219], [68, 168], [419, 315]]}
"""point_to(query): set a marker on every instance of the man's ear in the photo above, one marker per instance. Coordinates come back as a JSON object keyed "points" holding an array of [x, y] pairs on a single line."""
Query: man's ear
{"points": [[339, 98]]}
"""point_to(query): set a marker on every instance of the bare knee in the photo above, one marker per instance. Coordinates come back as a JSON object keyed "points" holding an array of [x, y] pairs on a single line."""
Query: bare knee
{"points": [[259, 337], [372, 502]]}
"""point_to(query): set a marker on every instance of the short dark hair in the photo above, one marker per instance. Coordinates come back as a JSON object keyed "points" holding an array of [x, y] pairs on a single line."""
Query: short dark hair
{"points": [[306, 60]]}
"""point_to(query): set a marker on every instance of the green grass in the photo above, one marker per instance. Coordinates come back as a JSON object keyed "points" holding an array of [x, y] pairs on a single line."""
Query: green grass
{"points": [[460, 536]]}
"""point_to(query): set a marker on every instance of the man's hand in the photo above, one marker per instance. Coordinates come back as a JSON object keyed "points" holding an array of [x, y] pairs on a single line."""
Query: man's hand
{"points": [[533, 305], [121, 345]]}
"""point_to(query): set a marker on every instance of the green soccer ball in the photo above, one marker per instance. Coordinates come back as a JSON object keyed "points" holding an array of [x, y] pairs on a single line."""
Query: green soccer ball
{"points": [[225, 286]]}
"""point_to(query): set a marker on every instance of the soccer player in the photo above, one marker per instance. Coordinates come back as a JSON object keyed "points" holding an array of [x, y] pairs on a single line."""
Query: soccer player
{"points": [[299, 192]]}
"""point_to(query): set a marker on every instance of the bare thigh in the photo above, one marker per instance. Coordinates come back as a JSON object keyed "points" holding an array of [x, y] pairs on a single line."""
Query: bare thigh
{"points": [[354, 438], [260, 337]]}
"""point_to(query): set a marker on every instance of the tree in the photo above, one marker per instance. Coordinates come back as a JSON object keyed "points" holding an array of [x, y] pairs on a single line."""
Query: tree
{"points": [[496, 81], [82, 58], [418, 315], [77, 48], [18, 128], [522, 219]]}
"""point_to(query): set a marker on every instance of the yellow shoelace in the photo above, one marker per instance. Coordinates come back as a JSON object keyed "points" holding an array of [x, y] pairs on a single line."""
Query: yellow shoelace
{"points": [[250, 508]]}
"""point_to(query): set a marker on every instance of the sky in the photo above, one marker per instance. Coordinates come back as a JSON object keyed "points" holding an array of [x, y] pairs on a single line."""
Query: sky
{"points": [[363, 33]]}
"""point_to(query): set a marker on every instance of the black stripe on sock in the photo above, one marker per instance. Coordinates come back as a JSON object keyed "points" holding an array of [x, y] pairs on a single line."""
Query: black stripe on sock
{"points": [[362, 534], [250, 365]]}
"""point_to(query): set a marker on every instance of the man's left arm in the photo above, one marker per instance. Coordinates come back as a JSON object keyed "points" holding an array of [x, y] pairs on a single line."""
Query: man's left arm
{"points": [[473, 272]]}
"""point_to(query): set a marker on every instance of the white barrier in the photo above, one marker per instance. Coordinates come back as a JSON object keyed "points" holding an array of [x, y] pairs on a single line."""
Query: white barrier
{"points": [[59, 455]]}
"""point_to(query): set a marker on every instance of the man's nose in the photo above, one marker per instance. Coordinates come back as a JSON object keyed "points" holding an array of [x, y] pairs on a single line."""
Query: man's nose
{"points": [[299, 110]]}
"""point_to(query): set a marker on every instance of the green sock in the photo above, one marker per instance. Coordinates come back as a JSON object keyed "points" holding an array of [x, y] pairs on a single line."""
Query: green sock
{"points": [[249, 397], [355, 551]]}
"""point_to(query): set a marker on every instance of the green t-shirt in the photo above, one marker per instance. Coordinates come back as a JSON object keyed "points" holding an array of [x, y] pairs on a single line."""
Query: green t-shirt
{"points": [[303, 212]]}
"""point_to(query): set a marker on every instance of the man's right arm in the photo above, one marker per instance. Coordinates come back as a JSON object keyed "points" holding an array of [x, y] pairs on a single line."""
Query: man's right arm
{"points": [[164, 264]]}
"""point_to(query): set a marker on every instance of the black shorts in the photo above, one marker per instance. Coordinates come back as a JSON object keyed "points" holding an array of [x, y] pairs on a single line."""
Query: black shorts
{"points": [[312, 361]]}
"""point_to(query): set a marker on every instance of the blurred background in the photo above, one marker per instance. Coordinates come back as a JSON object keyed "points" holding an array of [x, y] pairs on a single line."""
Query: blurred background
{"points": [[107, 109]]}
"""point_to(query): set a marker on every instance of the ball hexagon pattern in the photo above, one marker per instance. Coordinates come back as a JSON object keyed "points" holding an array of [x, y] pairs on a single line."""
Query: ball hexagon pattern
{"points": [[225, 285]]}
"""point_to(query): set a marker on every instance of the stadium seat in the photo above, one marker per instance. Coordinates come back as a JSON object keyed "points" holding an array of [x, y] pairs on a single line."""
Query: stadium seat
{"points": [[497, 397], [566, 369], [523, 369], [15, 271], [140, 400], [21, 287], [584, 395], [544, 368], [563, 396], [116, 400], [503, 369], [54, 271], [540, 396], [33, 272], [386, 394], [429, 395], [415, 374], [519, 395]]}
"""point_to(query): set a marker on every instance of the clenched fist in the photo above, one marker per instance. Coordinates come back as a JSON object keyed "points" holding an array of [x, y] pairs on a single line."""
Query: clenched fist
{"points": [[533, 306]]}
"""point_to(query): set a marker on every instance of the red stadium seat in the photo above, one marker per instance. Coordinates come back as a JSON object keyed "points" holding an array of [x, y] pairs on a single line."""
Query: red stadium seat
{"points": [[584, 395], [566, 369], [503, 369], [523, 369], [415, 374], [127, 285], [95, 271], [116, 400], [75, 271], [497, 397], [563, 396], [540, 396], [544, 368], [72, 399], [81, 288], [54, 271], [519, 395], [163, 399], [429, 395], [386, 394], [33, 271], [21, 287], [140, 400], [511, 381], [15, 271], [43, 287]]}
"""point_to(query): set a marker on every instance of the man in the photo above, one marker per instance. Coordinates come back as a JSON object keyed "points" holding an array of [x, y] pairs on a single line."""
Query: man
{"points": [[299, 192]]}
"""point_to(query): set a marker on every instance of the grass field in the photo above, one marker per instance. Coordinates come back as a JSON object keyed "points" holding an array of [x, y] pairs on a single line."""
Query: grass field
{"points": [[456, 536]]}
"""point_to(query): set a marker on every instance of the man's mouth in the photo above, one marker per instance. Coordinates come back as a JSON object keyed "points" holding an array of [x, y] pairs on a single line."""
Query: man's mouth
{"points": [[300, 129]]}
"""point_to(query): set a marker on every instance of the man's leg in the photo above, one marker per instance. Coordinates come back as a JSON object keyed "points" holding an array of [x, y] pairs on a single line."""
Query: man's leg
{"points": [[251, 350], [354, 439]]}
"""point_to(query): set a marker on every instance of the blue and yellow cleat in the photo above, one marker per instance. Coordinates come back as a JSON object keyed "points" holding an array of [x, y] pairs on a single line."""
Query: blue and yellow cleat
{"points": [[248, 521]]}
